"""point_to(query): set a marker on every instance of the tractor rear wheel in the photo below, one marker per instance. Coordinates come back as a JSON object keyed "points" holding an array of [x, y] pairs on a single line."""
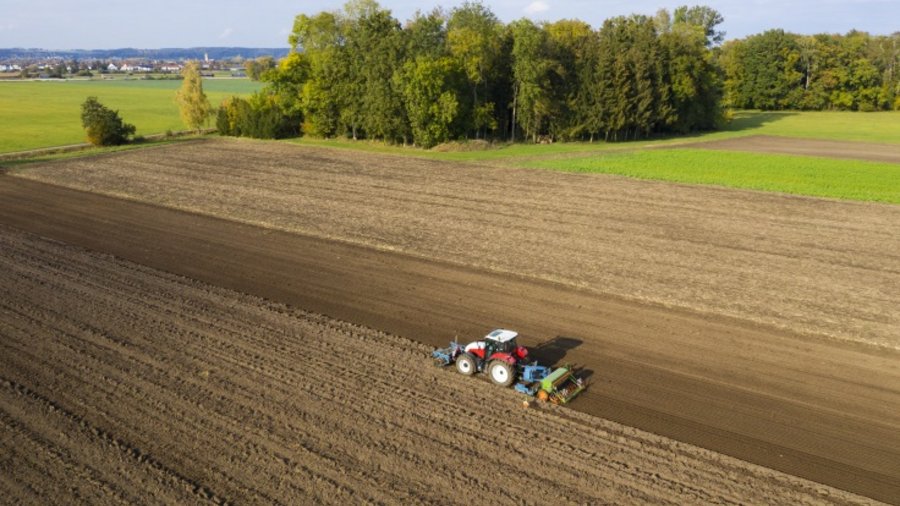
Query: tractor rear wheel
{"points": [[501, 373], [465, 364]]}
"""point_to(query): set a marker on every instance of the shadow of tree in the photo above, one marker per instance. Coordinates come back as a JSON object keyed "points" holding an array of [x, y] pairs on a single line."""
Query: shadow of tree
{"points": [[750, 120]]}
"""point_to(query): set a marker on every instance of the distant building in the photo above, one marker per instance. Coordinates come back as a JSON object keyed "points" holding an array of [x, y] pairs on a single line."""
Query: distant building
{"points": [[127, 67], [112, 67]]}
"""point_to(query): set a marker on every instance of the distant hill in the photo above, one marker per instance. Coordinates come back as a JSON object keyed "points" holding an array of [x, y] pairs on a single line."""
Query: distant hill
{"points": [[215, 53]]}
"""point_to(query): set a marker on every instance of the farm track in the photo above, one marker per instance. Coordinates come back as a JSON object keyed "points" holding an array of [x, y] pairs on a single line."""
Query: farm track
{"points": [[848, 150], [824, 410], [120, 384]]}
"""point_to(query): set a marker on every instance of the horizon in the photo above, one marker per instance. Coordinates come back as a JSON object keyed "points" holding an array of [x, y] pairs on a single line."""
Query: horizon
{"points": [[63, 49], [60, 26]]}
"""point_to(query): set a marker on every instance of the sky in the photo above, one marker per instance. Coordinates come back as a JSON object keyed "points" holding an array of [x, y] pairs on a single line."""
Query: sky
{"points": [[106, 24]]}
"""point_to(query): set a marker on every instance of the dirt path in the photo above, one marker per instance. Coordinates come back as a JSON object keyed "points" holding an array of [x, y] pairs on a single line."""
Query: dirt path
{"points": [[120, 384], [807, 147], [805, 265], [817, 409]]}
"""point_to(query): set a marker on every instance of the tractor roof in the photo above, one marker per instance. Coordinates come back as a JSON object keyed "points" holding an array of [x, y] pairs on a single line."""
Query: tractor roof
{"points": [[502, 335]]}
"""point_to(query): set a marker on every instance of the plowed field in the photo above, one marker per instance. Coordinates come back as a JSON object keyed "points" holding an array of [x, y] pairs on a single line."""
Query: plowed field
{"points": [[122, 384], [814, 266], [742, 322]]}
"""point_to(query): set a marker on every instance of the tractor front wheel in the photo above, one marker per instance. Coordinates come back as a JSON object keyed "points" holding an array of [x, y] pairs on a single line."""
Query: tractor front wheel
{"points": [[465, 364], [501, 373]]}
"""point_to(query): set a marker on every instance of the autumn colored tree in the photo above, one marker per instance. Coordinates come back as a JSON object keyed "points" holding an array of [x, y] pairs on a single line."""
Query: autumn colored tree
{"points": [[192, 102], [359, 73]]}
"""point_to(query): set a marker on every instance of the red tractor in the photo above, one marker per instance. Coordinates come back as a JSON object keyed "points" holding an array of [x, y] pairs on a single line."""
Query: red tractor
{"points": [[504, 361], [497, 354]]}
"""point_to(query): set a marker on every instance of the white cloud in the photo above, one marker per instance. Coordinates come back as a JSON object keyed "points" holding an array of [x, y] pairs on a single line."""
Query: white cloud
{"points": [[536, 7], [226, 33]]}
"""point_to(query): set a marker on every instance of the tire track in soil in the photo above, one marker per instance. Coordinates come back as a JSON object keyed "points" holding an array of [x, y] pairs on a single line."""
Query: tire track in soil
{"points": [[108, 380]]}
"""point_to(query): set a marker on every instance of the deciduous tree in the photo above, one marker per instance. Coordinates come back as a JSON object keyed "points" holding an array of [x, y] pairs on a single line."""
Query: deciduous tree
{"points": [[256, 68], [103, 125], [192, 101], [474, 39], [428, 87]]}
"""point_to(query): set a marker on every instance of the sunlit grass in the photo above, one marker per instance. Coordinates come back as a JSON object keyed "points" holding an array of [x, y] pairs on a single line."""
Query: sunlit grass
{"points": [[37, 114], [881, 127], [801, 175]]}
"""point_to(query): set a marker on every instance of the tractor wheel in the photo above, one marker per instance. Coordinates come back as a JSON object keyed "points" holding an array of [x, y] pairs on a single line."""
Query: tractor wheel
{"points": [[465, 364], [501, 373], [542, 395]]}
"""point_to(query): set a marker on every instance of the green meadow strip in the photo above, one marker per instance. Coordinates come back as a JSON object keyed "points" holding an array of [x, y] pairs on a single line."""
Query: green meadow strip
{"points": [[800, 175]]}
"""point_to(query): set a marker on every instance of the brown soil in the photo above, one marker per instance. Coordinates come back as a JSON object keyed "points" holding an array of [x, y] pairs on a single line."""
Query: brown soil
{"points": [[807, 147], [807, 265], [821, 409], [120, 384]]}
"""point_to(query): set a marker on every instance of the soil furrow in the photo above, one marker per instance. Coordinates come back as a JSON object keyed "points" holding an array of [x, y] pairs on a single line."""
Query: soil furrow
{"points": [[273, 404]]}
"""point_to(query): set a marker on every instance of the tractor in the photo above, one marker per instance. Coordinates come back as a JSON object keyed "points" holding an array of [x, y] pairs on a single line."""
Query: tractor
{"points": [[504, 361], [497, 354]]}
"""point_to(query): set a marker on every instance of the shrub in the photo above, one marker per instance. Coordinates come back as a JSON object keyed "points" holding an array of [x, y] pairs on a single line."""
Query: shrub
{"points": [[104, 126], [259, 117]]}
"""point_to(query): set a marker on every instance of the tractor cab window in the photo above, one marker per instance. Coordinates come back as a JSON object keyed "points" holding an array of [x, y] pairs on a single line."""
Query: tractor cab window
{"points": [[507, 347]]}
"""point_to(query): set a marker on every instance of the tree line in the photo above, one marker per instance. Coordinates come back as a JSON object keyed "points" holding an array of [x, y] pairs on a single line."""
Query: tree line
{"points": [[464, 74], [780, 70]]}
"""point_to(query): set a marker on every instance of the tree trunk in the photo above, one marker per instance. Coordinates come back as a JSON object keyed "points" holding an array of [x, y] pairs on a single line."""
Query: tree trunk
{"points": [[475, 107], [515, 101]]}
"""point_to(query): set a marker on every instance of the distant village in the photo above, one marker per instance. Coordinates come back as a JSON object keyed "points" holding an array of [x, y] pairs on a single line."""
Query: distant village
{"points": [[55, 67]]}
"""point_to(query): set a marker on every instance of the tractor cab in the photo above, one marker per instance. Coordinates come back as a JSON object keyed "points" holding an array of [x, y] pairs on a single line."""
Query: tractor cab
{"points": [[500, 340], [504, 341]]}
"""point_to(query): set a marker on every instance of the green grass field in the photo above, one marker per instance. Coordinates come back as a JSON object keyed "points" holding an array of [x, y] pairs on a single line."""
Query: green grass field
{"points": [[37, 114], [800, 175], [822, 177], [880, 127]]}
